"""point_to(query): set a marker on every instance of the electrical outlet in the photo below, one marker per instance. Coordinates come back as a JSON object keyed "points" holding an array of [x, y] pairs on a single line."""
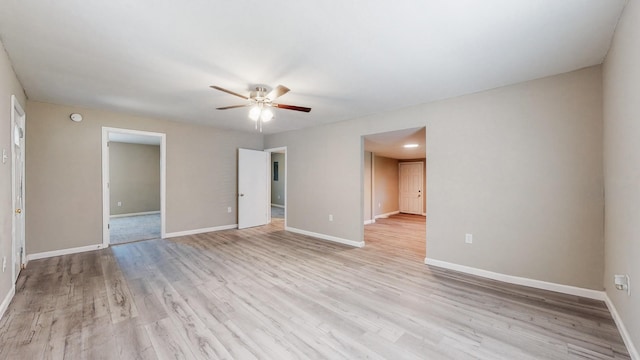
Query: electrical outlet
{"points": [[229, 209], [468, 238], [119, 203], [623, 282], [379, 205], [330, 217]]}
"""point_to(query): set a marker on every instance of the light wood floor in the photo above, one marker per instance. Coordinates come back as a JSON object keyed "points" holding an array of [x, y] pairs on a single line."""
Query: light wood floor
{"points": [[268, 294]]}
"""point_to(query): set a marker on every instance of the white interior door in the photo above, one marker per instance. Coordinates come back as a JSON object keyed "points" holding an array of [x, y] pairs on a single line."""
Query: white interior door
{"points": [[18, 189], [411, 191], [253, 188]]}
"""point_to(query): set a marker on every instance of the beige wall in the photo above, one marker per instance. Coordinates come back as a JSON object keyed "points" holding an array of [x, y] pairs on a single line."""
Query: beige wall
{"points": [[367, 185], [385, 185], [277, 187], [64, 174], [134, 178], [519, 167], [621, 81], [9, 85]]}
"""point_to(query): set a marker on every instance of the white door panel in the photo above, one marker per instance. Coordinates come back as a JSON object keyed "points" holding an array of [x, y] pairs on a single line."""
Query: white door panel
{"points": [[411, 191], [19, 258], [253, 188]]}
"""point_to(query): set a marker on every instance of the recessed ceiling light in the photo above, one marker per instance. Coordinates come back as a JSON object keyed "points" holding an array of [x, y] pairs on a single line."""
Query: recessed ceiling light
{"points": [[411, 146]]}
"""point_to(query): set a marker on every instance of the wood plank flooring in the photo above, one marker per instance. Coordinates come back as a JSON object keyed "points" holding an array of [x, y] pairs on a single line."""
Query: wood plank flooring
{"points": [[264, 293]]}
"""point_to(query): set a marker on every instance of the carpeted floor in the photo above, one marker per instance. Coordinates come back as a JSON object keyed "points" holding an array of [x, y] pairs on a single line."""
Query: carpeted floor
{"points": [[277, 212], [134, 228], [144, 227]]}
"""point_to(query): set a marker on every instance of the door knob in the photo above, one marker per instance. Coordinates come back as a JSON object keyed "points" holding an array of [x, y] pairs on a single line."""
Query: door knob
{"points": [[18, 211]]}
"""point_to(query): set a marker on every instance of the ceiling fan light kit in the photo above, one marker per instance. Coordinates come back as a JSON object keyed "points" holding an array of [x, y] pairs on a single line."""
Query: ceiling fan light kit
{"points": [[262, 103]]}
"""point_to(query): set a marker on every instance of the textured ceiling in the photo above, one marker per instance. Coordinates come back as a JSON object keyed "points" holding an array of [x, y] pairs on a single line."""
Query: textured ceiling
{"points": [[344, 59]]}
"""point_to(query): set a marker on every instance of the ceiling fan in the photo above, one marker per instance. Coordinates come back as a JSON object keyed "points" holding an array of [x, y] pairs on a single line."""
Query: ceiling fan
{"points": [[261, 103]]}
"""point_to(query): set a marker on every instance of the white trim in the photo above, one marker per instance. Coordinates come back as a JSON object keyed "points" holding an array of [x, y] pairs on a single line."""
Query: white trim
{"points": [[135, 214], [373, 183], [626, 337], [277, 205], [386, 215], [106, 206], [7, 300], [48, 254], [326, 237], [199, 231], [538, 284], [369, 222]]}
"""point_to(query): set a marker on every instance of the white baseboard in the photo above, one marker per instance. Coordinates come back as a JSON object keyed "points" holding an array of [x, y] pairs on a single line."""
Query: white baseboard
{"points": [[565, 289], [135, 214], [326, 237], [278, 206], [200, 231], [538, 284], [48, 254], [7, 300], [633, 352], [386, 215], [367, 222]]}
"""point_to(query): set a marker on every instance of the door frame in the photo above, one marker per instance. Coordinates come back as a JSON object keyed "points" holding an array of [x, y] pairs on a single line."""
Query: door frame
{"points": [[17, 116], [286, 182], [422, 182], [106, 203]]}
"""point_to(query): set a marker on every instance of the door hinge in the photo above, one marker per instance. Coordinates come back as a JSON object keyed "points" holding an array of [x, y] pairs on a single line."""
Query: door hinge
{"points": [[108, 226]]}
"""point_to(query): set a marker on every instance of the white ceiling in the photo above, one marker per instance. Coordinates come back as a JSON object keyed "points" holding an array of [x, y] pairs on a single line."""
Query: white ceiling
{"points": [[390, 144], [342, 58]]}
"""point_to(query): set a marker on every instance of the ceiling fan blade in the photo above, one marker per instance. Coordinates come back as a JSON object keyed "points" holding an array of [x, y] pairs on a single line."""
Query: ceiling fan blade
{"points": [[231, 107], [292, 107], [228, 91], [277, 92]]}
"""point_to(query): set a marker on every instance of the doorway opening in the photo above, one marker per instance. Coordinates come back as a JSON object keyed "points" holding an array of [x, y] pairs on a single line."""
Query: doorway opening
{"points": [[394, 192], [257, 171], [134, 183], [278, 188]]}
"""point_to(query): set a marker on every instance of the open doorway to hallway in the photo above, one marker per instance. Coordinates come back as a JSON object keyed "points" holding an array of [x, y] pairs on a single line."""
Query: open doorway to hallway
{"points": [[395, 191], [278, 188]]}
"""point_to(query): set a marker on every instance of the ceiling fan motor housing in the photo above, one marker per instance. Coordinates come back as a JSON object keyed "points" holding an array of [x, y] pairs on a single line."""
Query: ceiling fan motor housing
{"points": [[260, 94]]}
